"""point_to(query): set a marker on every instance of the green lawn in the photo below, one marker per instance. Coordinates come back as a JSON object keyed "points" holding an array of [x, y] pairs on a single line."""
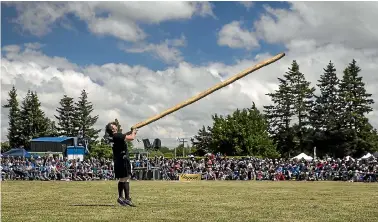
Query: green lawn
{"points": [[190, 201]]}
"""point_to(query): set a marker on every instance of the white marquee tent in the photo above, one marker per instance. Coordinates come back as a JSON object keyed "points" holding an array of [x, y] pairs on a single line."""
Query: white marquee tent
{"points": [[303, 156], [366, 156]]}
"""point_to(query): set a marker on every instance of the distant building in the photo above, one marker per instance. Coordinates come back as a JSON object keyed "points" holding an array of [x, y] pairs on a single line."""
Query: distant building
{"points": [[52, 144], [67, 146]]}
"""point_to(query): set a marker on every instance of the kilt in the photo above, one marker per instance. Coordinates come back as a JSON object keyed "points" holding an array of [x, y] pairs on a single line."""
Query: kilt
{"points": [[122, 168]]}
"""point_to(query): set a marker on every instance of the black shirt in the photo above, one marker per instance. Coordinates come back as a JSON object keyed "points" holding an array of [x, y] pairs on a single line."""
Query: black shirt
{"points": [[119, 146]]}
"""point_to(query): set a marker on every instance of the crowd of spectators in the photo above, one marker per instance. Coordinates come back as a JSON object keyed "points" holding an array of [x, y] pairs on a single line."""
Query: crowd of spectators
{"points": [[212, 167]]}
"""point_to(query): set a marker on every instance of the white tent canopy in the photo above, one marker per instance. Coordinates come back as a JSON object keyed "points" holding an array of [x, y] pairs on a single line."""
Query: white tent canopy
{"points": [[303, 156], [366, 156]]}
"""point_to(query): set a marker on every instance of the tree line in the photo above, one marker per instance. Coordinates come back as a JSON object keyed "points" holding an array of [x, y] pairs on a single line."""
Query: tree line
{"points": [[27, 120], [297, 120]]}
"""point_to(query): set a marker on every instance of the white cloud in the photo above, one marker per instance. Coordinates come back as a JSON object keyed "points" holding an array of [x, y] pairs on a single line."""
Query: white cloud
{"points": [[247, 4], [11, 48], [353, 25], [204, 9], [118, 19], [33, 56], [37, 18], [167, 51], [233, 36], [319, 23], [126, 30], [33, 45]]}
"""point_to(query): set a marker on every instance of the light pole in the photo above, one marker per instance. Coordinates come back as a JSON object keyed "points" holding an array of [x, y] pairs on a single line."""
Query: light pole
{"points": [[183, 141], [191, 140]]}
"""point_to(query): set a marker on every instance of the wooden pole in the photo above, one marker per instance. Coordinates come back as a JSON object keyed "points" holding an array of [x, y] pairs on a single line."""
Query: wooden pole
{"points": [[209, 91]]}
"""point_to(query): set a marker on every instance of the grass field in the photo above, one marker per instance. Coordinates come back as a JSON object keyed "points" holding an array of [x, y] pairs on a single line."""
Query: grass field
{"points": [[190, 201]]}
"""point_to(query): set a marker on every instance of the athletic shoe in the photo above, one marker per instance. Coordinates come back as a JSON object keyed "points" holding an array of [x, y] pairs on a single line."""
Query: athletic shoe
{"points": [[121, 201], [128, 202]]}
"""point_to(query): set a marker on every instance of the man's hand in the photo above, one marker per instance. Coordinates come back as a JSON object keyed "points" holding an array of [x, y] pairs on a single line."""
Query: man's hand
{"points": [[134, 131], [131, 134]]}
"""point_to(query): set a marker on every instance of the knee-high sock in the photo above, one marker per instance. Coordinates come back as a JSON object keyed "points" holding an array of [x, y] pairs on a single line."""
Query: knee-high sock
{"points": [[121, 186], [127, 190]]}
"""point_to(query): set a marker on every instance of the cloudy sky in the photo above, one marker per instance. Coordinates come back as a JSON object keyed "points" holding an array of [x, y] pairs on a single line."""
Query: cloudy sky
{"points": [[136, 59]]}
